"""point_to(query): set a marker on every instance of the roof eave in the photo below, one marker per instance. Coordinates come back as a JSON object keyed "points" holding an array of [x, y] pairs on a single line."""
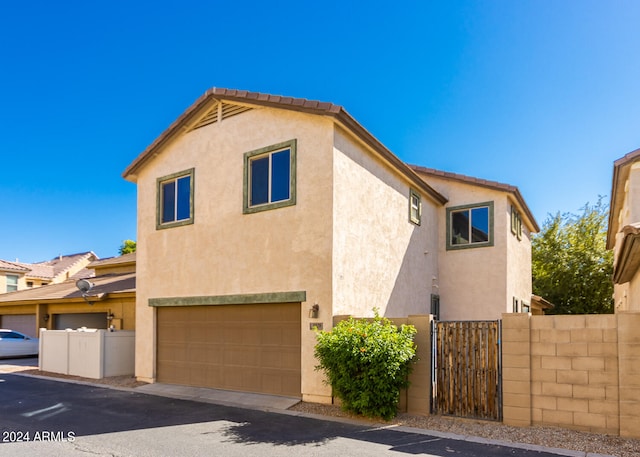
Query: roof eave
{"points": [[354, 126], [628, 260], [192, 114], [508, 188]]}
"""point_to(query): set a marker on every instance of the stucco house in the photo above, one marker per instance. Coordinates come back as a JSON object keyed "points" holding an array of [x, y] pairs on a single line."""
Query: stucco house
{"points": [[262, 217], [20, 275], [623, 233], [59, 306], [484, 259]]}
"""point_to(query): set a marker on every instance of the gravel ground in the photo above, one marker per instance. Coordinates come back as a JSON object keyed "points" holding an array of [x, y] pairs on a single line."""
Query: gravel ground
{"points": [[543, 436]]}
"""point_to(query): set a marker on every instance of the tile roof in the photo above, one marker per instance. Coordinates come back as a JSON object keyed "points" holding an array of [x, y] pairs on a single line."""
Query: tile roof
{"points": [[67, 290], [12, 266], [482, 183], [50, 269], [201, 106], [123, 259]]}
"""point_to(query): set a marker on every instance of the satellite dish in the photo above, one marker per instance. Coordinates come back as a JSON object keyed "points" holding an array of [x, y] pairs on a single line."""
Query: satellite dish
{"points": [[84, 285]]}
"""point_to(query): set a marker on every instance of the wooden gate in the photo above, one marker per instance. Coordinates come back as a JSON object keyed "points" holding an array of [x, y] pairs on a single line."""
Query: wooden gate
{"points": [[466, 374]]}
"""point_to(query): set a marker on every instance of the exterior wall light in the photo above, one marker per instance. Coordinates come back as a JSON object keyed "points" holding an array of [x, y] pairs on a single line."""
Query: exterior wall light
{"points": [[313, 312]]}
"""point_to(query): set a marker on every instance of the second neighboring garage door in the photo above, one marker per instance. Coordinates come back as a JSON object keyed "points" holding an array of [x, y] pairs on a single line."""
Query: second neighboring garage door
{"points": [[24, 323], [252, 348]]}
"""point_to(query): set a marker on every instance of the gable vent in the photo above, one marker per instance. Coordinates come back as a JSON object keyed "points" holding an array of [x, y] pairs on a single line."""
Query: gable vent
{"points": [[229, 110], [220, 111], [209, 118]]}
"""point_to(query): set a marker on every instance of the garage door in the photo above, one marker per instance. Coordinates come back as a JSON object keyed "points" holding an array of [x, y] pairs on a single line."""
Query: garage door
{"points": [[251, 348], [23, 323], [77, 320]]}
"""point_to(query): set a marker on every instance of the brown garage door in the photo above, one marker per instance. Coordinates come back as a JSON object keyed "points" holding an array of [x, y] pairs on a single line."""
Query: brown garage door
{"points": [[25, 323], [251, 348]]}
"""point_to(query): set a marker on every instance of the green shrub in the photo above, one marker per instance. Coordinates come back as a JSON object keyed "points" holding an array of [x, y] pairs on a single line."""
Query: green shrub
{"points": [[367, 362]]}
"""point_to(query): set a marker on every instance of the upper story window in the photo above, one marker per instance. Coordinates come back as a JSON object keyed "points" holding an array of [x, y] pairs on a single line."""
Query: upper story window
{"points": [[516, 222], [270, 177], [415, 207], [12, 283], [470, 226], [175, 199]]}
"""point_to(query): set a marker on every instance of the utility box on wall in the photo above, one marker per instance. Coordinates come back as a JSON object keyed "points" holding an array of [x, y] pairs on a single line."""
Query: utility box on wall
{"points": [[88, 353]]}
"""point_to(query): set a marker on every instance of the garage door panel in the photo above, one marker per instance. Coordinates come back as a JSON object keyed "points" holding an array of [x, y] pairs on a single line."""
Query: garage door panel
{"points": [[175, 372], [23, 323], [242, 356], [253, 348], [173, 352], [203, 353], [285, 358]]}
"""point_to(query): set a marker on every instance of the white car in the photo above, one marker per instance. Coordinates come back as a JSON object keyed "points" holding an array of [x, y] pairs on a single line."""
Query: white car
{"points": [[16, 344]]}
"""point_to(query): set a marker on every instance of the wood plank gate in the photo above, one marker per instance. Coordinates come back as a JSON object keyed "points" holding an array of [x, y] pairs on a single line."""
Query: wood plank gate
{"points": [[466, 373]]}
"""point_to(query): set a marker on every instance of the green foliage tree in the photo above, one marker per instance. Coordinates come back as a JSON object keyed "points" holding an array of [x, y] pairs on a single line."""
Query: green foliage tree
{"points": [[367, 362], [572, 267], [127, 247]]}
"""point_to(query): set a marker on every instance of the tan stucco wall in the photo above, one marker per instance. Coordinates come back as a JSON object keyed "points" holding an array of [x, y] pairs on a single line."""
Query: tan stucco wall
{"points": [[519, 277], [380, 258], [227, 252], [627, 296], [480, 283]]}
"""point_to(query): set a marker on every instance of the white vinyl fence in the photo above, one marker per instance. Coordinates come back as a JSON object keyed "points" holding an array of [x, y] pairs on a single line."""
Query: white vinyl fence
{"points": [[89, 353]]}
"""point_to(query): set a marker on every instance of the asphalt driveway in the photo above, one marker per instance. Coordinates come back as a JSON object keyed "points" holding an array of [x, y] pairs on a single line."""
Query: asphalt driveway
{"points": [[46, 417]]}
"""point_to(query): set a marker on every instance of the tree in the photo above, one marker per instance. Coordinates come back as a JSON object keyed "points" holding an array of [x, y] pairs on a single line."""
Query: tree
{"points": [[572, 267], [128, 246]]}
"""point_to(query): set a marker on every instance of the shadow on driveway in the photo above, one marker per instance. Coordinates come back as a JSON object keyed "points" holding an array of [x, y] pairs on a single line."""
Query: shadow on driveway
{"points": [[34, 405]]}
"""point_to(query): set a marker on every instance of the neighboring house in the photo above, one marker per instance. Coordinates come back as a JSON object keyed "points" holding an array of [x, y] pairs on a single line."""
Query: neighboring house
{"points": [[19, 275], [623, 233], [59, 306], [262, 217], [540, 305]]}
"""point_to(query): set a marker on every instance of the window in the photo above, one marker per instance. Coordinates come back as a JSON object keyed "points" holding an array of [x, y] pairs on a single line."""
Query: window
{"points": [[435, 306], [470, 226], [516, 222], [415, 207], [270, 177], [12, 283], [29, 284], [175, 199]]}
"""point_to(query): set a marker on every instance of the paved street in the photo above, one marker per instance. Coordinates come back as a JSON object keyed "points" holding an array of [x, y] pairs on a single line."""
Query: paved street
{"points": [[42, 417]]}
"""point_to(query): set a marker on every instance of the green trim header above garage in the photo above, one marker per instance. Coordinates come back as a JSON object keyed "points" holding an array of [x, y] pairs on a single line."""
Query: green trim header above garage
{"points": [[240, 299]]}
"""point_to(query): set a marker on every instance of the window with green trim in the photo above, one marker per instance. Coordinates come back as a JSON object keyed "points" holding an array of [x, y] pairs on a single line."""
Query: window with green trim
{"points": [[270, 177], [470, 226], [516, 223], [415, 207], [175, 199]]}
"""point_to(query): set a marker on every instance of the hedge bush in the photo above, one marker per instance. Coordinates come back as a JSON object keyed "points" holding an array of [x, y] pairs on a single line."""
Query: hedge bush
{"points": [[367, 362]]}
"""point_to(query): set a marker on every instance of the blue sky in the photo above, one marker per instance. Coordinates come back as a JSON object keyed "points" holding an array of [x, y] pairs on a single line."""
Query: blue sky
{"points": [[544, 95]]}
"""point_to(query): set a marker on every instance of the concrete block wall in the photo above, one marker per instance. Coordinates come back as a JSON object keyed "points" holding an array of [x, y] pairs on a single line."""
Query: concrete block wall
{"points": [[583, 372], [629, 373]]}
